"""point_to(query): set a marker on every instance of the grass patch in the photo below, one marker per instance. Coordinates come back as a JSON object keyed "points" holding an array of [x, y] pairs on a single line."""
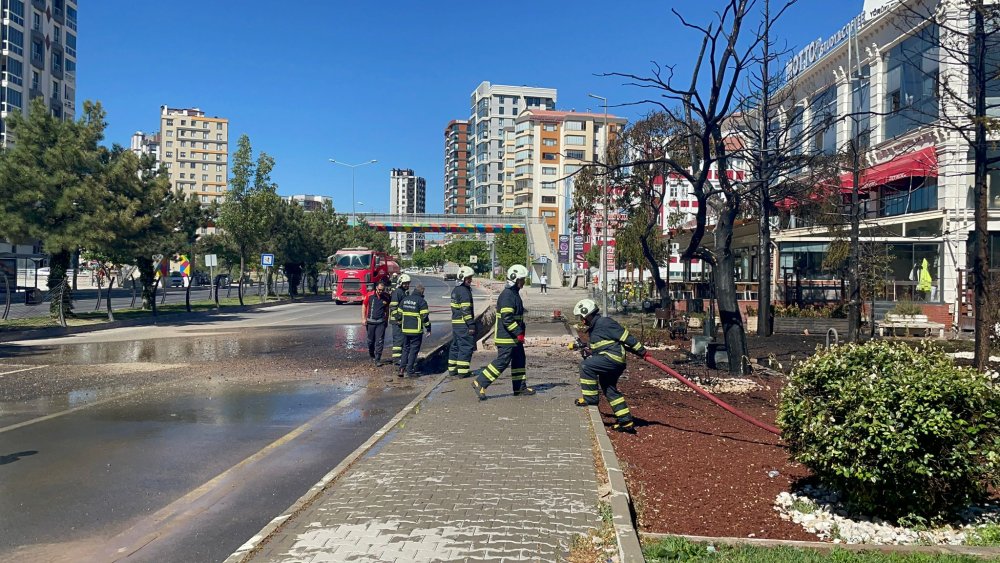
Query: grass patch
{"points": [[804, 506], [597, 545], [985, 536], [679, 549]]}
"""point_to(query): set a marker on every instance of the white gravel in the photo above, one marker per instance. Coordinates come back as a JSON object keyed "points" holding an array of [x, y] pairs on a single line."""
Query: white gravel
{"points": [[821, 512]]}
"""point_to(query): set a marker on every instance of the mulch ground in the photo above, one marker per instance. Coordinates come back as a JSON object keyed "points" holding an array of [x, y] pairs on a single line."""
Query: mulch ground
{"points": [[694, 468]]}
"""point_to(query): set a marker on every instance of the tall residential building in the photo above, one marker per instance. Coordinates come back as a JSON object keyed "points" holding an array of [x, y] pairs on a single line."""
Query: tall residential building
{"points": [[407, 196], [195, 151], [456, 168], [493, 108], [38, 58], [143, 143], [544, 148]]}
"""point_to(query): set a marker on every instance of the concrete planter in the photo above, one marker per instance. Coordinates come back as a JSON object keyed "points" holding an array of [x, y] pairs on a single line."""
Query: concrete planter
{"points": [[892, 318], [799, 325], [751, 325]]}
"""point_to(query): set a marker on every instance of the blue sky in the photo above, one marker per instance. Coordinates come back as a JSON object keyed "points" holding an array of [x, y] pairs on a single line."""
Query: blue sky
{"points": [[313, 80]]}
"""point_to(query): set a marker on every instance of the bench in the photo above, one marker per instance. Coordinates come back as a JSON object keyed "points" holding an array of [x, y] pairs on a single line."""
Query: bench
{"points": [[909, 323]]}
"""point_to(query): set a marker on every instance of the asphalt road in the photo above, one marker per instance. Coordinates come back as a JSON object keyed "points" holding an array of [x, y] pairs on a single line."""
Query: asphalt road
{"points": [[178, 442]]}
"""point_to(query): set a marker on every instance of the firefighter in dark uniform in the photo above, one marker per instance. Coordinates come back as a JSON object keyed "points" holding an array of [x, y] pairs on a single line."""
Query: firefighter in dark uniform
{"points": [[374, 317], [604, 361], [508, 335], [415, 319], [394, 317], [463, 325]]}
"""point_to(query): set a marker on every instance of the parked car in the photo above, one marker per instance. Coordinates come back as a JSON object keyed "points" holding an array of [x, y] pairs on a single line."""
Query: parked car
{"points": [[175, 280]]}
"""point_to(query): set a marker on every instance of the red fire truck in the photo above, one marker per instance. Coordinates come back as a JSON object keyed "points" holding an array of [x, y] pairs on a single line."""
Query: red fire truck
{"points": [[355, 271]]}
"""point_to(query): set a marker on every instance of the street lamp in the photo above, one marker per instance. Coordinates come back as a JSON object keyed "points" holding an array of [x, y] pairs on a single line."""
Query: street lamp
{"points": [[607, 202], [354, 209]]}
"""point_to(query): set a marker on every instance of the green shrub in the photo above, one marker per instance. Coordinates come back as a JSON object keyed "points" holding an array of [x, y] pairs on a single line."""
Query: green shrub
{"points": [[907, 308], [896, 430]]}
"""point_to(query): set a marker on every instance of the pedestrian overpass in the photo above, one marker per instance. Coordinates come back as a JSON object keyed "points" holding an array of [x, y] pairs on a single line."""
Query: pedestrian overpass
{"points": [[541, 258]]}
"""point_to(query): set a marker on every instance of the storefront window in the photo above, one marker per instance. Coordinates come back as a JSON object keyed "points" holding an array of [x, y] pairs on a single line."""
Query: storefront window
{"points": [[804, 259], [898, 202], [911, 81], [906, 267], [993, 189]]}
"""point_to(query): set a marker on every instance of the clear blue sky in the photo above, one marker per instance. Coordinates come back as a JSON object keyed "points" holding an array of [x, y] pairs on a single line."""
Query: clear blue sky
{"points": [[316, 79]]}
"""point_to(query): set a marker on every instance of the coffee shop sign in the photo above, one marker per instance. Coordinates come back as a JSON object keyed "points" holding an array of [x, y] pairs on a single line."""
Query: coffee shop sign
{"points": [[815, 50]]}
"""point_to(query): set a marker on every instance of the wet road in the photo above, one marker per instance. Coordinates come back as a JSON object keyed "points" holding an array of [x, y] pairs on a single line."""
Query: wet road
{"points": [[178, 442]]}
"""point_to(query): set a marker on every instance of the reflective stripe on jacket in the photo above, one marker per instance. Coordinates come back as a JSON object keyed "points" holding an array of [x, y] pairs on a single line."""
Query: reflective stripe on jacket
{"points": [[510, 317], [610, 339], [397, 297], [414, 314], [462, 310]]}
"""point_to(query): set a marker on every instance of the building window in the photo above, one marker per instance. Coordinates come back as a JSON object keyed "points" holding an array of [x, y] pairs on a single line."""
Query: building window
{"points": [[549, 171], [911, 81], [182, 175], [218, 126], [16, 12], [218, 136], [795, 140], [71, 17], [13, 98], [193, 165], [170, 154], [578, 155], [861, 104], [549, 127], [575, 140], [204, 177], [56, 34], [550, 199], [170, 133], [70, 44], [13, 40], [184, 143], [37, 52], [575, 126], [15, 71], [170, 123], [824, 116], [549, 142], [170, 144], [218, 177], [183, 155], [549, 156], [36, 21]]}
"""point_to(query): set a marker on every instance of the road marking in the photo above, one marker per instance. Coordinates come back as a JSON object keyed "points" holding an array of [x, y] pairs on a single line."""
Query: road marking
{"points": [[208, 494], [23, 369]]}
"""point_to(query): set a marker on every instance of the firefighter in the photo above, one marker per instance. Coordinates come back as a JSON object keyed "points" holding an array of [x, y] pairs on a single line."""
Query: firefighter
{"points": [[604, 361], [508, 335], [463, 325], [415, 319], [394, 317], [374, 317]]}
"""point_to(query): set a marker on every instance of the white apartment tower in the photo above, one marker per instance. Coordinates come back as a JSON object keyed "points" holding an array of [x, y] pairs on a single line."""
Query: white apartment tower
{"points": [[38, 58], [494, 107], [407, 196], [143, 143], [194, 148]]}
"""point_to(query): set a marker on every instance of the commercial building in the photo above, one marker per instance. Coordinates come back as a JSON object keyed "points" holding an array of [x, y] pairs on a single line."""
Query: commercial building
{"points": [[194, 149], [456, 168], [309, 202], [407, 196], [876, 82], [494, 107], [38, 58]]}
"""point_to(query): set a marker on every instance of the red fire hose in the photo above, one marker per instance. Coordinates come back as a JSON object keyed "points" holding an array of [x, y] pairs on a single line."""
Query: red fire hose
{"points": [[712, 397]]}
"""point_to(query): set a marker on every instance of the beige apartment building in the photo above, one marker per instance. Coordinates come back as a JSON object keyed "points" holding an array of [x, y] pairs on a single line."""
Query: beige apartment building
{"points": [[195, 151], [543, 149]]}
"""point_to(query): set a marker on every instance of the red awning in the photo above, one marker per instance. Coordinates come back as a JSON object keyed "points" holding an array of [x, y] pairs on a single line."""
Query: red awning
{"points": [[921, 163]]}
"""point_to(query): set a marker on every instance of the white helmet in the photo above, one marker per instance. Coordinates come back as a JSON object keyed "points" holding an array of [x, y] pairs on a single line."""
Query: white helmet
{"points": [[465, 272], [585, 307], [404, 278], [516, 272]]}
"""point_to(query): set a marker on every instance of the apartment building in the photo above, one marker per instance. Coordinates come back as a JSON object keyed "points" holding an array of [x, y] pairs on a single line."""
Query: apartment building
{"points": [[142, 144], [308, 202], [494, 107], [407, 196], [194, 149], [543, 149], [38, 58], [456, 168]]}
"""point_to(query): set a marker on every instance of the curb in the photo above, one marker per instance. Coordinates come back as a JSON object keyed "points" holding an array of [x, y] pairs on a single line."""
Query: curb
{"points": [[247, 550], [629, 548], [826, 546]]}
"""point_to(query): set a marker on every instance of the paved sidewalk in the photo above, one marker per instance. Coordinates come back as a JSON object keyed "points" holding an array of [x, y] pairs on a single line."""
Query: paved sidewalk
{"points": [[508, 479]]}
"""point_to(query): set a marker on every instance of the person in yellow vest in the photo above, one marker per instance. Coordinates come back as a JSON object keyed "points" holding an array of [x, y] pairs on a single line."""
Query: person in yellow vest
{"points": [[414, 321]]}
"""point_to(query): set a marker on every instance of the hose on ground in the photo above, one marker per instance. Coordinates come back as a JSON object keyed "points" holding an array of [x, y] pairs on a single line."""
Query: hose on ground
{"points": [[653, 361]]}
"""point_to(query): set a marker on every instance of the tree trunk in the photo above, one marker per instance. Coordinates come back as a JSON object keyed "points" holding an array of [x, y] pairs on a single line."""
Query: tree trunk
{"points": [[239, 283], [147, 277], [725, 293], [187, 294], [981, 265], [58, 267], [854, 266], [765, 326], [111, 284]]}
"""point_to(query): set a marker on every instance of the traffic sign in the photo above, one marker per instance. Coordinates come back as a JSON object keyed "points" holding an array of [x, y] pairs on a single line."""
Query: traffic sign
{"points": [[267, 260], [473, 259], [211, 260]]}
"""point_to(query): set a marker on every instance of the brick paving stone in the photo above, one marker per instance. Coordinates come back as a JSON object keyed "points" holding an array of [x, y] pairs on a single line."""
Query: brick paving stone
{"points": [[510, 478]]}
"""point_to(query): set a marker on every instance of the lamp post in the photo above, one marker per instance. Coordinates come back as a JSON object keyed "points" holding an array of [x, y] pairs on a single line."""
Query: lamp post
{"points": [[353, 167], [607, 204]]}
